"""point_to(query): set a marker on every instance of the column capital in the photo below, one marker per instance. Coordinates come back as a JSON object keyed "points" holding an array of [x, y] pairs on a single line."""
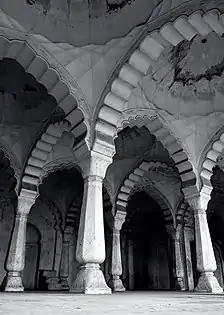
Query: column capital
{"points": [[24, 205], [119, 219], [198, 201], [94, 164]]}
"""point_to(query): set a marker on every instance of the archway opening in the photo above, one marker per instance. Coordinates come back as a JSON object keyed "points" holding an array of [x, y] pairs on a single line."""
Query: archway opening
{"points": [[56, 215], [147, 254]]}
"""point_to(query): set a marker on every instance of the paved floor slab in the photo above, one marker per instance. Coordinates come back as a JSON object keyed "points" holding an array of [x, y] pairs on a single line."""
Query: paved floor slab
{"points": [[167, 303]]}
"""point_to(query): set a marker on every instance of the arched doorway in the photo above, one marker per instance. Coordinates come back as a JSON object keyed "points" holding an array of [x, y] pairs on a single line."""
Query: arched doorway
{"points": [[30, 272], [149, 248]]}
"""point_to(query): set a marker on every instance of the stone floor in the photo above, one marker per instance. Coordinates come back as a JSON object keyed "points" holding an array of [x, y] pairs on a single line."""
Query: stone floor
{"points": [[166, 303]]}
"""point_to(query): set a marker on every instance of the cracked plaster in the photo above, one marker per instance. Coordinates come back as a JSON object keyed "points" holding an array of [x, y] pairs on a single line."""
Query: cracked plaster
{"points": [[189, 102]]}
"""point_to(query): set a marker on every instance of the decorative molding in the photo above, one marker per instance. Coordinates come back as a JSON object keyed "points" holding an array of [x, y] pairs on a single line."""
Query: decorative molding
{"points": [[209, 160], [55, 166], [135, 181]]}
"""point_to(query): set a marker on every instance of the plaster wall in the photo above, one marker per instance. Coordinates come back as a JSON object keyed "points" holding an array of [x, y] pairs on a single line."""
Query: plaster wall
{"points": [[80, 22], [186, 92]]}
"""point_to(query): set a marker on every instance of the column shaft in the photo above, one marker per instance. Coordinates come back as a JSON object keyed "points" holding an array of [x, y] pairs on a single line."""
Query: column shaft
{"points": [[179, 272], [90, 251], [16, 257], [206, 263], [179, 265], [64, 265], [187, 238], [116, 262]]}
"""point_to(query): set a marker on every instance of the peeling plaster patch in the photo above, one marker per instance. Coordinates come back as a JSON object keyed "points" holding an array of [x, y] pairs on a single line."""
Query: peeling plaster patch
{"points": [[44, 3], [188, 77], [177, 55], [180, 52], [115, 5], [96, 7], [198, 69]]}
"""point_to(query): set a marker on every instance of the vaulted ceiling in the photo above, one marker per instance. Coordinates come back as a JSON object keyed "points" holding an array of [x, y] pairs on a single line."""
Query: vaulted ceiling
{"points": [[81, 22], [96, 51]]}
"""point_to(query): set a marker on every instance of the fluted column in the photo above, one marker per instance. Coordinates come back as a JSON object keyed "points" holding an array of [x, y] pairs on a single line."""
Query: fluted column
{"points": [[90, 251], [116, 262], [16, 256], [206, 263], [64, 265]]}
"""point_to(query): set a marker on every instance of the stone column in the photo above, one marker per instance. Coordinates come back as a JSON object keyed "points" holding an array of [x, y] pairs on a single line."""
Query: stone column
{"points": [[131, 265], [64, 265], [188, 237], [179, 265], [116, 262], [16, 256], [206, 263], [90, 251]]}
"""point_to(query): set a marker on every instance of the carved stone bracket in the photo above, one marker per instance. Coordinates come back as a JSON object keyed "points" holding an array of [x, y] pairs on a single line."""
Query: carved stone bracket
{"points": [[94, 164]]}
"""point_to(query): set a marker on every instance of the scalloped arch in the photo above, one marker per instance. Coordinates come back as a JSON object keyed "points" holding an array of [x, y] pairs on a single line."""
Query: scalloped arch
{"points": [[148, 51], [169, 142], [137, 66], [135, 178], [55, 166], [209, 160], [47, 75]]}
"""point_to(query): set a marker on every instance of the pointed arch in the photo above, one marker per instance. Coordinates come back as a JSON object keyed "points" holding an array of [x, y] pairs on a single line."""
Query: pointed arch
{"points": [[209, 160], [38, 66], [134, 179], [130, 74]]}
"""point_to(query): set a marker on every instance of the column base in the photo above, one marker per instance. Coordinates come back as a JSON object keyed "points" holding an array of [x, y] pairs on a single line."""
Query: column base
{"points": [[14, 282], [90, 280], [208, 283], [179, 285], [116, 284], [64, 284]]}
